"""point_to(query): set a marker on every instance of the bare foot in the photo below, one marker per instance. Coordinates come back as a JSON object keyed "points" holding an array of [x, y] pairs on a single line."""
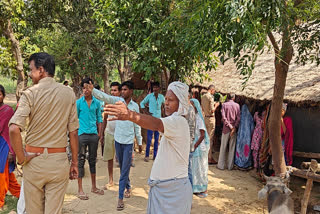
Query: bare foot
{"points": [[108, 185]]}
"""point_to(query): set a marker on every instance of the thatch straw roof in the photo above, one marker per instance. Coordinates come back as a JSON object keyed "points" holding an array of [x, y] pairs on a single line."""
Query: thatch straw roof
{"points": [[303, 82]]}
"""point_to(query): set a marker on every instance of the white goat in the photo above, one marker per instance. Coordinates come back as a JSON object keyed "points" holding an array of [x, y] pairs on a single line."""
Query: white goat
{"points": [[278, 194]]}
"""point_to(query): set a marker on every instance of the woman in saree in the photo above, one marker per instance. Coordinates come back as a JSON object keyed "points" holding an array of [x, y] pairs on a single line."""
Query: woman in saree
{"points": [[286, 135], [200, 155], [257, 135], [7, 156]]}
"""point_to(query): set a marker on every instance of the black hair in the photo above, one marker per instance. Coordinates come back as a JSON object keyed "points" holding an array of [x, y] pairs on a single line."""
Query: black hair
{"points": [[211, 87], [157, 84], [262, 108], [116, 84], [45, 60], [86, 80], [230, 96], [3, 91], [97, 86], [66, 81], [129, 84]]}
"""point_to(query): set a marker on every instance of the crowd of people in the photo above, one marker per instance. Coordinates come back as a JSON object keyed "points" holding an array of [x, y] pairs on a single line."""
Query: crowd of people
{"points": [[181, 161]]}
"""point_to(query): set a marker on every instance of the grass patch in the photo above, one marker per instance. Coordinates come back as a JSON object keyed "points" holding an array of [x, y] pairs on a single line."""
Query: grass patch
{"points": [[10, 204], [8, 84]]}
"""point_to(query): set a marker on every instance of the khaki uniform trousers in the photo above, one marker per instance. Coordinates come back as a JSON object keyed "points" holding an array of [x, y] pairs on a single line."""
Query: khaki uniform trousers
{"points": [[45, 182], [225, 140], [210, 123]]}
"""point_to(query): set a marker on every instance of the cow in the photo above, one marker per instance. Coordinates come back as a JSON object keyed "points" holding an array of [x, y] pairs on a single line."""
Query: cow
{"points": [[278, 194]]}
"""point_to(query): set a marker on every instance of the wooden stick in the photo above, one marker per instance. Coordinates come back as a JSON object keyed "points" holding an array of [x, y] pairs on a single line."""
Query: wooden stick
{"points": [[306, 196], [306, 165], [305, 174], [306, 154]]}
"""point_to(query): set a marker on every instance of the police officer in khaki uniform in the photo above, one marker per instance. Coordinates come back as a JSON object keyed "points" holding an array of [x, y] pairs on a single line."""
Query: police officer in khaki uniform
{"points": [[51, 110], [209, 107]]}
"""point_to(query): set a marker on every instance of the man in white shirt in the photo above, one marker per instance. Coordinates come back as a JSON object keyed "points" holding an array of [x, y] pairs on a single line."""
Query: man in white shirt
{"points": [[170, 188], [107, 139]]}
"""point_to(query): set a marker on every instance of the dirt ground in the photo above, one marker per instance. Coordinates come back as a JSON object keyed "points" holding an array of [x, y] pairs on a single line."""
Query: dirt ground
{"points": [[10, 99], [228, 191]]}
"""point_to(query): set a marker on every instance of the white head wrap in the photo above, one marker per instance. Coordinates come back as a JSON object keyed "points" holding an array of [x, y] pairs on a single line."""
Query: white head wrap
{"points": [[284, 106], [181, 91]]}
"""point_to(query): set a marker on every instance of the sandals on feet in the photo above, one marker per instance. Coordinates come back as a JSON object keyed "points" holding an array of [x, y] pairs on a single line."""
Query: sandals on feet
{"points": [[120, 206], [83, 196], [98, 191], [202, 195], [212, 162], [127, 194]]}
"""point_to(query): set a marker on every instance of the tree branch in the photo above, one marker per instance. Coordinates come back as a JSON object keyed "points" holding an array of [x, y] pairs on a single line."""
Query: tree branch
{"points": [[274, 43], [297, 2]]}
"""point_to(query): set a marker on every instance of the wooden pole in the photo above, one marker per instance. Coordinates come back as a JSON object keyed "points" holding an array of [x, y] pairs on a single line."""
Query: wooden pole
{"points": [[306, 165], [306, 196], [306, 154], [305, 174]]}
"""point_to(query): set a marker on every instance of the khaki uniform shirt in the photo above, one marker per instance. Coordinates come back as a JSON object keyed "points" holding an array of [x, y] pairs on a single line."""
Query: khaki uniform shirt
{"points": [[51, 110], [207, 103]]}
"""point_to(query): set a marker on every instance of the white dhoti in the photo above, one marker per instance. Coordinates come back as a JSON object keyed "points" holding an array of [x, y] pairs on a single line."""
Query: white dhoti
{"points": [[172, 196], [21, 206]]}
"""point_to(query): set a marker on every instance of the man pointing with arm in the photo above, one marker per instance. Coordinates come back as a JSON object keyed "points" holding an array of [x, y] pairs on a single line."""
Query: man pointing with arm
{"points": [[124, 134], [170, 188]]}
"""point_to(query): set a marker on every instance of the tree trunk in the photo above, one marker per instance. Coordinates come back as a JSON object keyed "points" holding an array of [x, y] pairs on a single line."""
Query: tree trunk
{"points": [[106, 79], [165, 73], [173, 77], [124, 71], [76, 81], [120, 70], [21, 83], [282, 61], [125, 67], [275, 119]]}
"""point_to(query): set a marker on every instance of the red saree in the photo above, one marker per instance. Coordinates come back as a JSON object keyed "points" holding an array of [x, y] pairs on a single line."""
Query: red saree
{"points": [[288, 140], [6, 112]]}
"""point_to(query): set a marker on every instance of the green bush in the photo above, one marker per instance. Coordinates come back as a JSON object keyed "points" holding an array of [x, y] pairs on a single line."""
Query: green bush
{"points": [[8, 84], [10, 204]]}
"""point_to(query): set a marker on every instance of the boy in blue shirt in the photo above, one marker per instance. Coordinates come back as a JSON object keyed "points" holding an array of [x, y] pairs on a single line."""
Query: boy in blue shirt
{"points": [[156, 102], [89, 114]]}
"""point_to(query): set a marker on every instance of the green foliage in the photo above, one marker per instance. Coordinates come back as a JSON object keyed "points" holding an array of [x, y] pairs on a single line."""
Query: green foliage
{"points": [[184, 38], [239, 29], [7, 61], [10, 10], [66, 30], [8, 84], [143, 30], [10, 204], [14, 11]]}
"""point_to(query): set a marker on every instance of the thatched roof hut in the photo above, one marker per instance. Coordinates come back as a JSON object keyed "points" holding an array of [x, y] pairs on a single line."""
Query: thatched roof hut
{"points": [[302, 93], [303, 82]]}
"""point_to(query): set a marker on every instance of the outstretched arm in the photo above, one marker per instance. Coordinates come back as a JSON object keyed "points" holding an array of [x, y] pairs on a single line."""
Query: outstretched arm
{"points": [[101, 95], [121, 112]]}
